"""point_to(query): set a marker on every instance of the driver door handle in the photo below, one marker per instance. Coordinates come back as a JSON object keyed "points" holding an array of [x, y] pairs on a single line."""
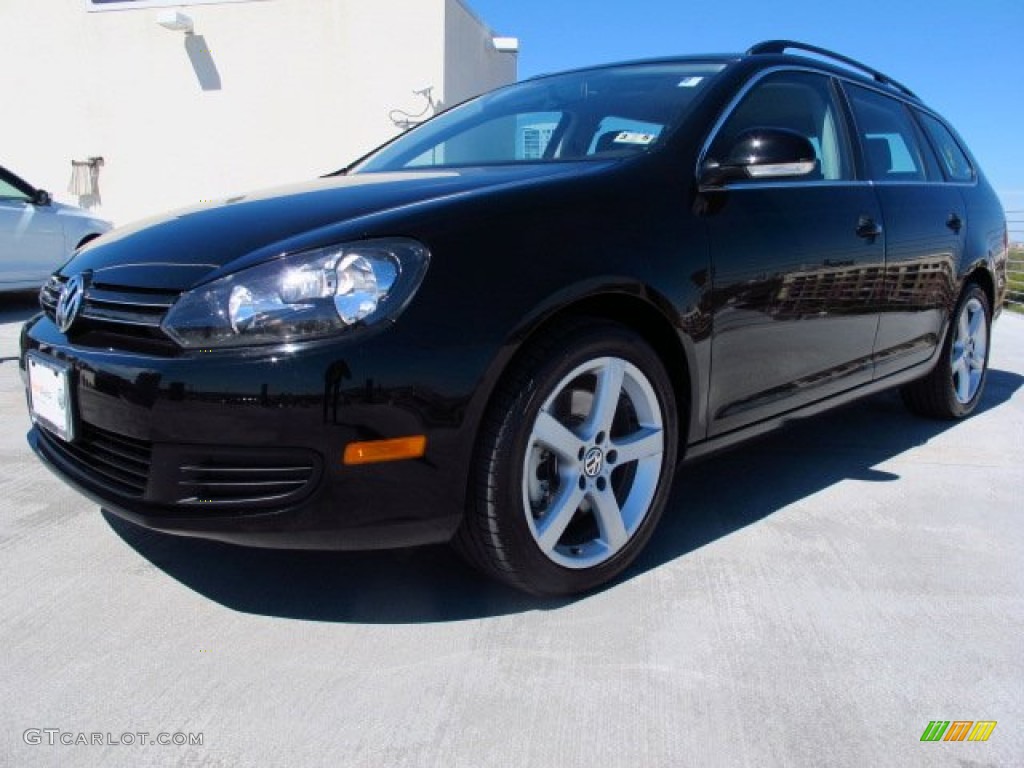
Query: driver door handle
{"points": [[868, 228]]}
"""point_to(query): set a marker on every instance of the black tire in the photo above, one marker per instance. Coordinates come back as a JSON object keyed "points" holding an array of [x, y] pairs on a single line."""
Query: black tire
{"points": [[955, 385], [523, 525]]}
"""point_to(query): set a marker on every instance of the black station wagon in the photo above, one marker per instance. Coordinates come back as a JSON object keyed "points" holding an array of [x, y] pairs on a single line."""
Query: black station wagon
{"points": [[507, 326]]}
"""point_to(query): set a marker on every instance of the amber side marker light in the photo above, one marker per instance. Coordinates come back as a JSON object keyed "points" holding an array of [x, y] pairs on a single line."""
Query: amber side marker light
{"points": [[373, 451]]}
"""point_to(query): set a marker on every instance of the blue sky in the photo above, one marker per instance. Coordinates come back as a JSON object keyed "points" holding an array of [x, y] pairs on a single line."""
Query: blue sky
{"points": [[964, 59]]}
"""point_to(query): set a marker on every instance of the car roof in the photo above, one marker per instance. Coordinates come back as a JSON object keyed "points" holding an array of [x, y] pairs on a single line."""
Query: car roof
{"points": [[771, 52]]}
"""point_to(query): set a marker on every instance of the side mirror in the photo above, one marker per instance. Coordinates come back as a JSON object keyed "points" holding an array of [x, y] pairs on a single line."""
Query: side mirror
{"points": [[761, 153], [41, 198]]}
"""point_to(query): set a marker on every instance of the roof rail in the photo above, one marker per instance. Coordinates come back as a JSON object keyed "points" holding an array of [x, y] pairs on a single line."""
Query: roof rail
{"points": [[781, 46]]}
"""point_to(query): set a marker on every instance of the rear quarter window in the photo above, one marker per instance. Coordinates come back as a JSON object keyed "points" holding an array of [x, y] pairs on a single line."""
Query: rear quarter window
{"points": [[954, 160]]}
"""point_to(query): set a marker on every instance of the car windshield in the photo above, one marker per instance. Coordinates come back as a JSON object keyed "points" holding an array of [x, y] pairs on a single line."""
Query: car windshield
{"points": [[593, 114]]}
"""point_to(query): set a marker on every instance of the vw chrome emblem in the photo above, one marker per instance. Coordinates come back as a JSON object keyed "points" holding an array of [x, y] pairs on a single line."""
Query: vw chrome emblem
{"points": [[70, 302], [593, 462]]}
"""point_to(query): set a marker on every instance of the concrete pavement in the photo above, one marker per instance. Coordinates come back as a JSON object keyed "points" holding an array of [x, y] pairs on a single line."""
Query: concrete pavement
{"points": [[814, 598]]}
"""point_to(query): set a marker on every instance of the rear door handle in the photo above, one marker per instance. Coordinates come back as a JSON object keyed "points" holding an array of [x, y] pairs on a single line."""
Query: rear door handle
{"points": [[868, 228], [954, 222]]}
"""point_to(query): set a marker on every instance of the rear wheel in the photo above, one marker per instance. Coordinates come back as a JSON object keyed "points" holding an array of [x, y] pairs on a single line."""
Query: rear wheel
{"points": [[954, 387], [575, 461]]}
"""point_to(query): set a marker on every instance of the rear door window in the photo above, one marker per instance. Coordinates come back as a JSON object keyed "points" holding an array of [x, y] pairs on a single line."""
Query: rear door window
{"points": [[888, 137]]}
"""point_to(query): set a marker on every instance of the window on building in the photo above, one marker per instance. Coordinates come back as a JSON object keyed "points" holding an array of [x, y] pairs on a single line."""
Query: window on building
{"points": [[533, 134]]}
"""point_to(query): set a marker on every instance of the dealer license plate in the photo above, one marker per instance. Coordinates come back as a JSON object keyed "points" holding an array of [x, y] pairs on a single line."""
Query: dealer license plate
{"points": [[49, 386]]}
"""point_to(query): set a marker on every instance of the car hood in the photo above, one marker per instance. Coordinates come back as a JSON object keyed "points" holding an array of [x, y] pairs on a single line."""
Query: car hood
{"points": [[179, 249]]}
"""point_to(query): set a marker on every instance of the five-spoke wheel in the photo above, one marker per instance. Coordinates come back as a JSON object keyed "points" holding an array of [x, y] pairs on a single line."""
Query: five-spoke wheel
{"points": [[593, 461], [953, 388], [575, 461], [969, 353]]}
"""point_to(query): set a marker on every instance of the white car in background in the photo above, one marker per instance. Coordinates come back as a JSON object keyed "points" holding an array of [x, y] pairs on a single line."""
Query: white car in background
{"points": [[37, 235]]}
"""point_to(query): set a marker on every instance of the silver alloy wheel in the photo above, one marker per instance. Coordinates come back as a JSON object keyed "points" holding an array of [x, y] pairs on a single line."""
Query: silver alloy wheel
{"points": [[593, 461], [969, 350]]}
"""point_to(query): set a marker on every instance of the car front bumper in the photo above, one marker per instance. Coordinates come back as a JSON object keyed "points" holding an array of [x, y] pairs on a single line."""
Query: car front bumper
{"points": [[248, 447]]}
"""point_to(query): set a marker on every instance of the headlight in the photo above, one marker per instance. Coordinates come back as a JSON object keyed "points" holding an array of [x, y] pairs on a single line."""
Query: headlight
{"points": [[303, 296]]}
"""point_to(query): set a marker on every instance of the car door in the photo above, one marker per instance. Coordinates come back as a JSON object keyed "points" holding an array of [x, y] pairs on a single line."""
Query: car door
{"points": [[797, 262], [924, 221]]}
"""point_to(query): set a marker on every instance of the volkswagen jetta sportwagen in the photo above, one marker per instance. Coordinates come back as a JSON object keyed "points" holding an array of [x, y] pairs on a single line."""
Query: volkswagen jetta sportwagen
{"points": [[506, 327]]}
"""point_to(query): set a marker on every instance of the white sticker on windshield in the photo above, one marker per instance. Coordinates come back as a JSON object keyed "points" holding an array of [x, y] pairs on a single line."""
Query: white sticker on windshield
{"points": [[690, 82], [634, 137]]}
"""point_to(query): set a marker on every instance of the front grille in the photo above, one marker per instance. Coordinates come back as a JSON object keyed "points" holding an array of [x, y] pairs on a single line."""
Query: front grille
{"points": [[229, 481], [117, 463], [114, 315]]}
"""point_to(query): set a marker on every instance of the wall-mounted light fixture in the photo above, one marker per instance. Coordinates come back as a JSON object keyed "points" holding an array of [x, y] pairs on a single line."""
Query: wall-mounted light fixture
{"points": [[506, 44], [176, 21]]}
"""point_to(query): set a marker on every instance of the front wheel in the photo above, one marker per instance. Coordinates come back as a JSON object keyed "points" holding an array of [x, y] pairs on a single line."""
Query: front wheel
{"points": [[953, 389], [575, 461]]}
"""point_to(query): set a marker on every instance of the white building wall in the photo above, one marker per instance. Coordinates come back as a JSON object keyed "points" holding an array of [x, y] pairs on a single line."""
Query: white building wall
{"points": [[472, 65], [263, 92]]}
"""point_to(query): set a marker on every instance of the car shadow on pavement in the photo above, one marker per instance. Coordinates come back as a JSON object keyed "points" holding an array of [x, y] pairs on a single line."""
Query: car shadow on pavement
{"points": [[404, 586], [711, 499], [717, 496]]}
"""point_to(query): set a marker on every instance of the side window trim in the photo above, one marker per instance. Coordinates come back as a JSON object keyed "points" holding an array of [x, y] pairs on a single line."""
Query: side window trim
{"points": [[854, 144], [844, 116], [859, 171], [934, 172], [916, 110]]}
